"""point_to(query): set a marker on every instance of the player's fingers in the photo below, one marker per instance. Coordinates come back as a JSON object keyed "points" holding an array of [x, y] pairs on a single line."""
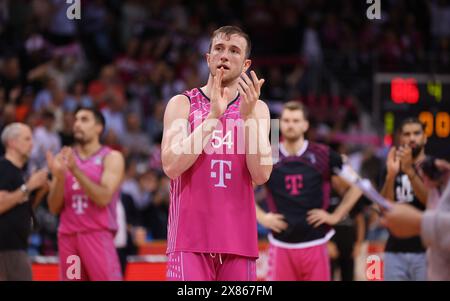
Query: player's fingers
{"points": [[219, 77], [244, 86], [318, 223], [248, 86], [242, 93], [392, 152], [312, 219], [279, 216], [275, 229], [247, 79], [314, 211], [257, 82], [283, 225]]}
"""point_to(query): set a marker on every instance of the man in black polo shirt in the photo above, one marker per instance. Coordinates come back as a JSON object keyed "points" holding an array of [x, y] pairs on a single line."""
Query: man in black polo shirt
{"points": [[15, 209]]}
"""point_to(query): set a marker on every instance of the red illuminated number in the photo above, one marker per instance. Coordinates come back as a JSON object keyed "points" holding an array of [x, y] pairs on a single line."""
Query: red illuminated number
{"points": [[404, 90]]}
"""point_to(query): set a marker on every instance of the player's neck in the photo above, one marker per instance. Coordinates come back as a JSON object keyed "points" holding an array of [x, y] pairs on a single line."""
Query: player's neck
{"points": [[294, 146], [89, 149]]}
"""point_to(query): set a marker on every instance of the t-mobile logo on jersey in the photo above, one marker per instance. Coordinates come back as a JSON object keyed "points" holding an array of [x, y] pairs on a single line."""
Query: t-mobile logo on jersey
{"points": [[222, 174], [79, 203], [293, 184]]}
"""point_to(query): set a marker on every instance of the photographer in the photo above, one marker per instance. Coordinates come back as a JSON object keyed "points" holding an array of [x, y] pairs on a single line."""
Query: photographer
{"points": [[433, 225]]}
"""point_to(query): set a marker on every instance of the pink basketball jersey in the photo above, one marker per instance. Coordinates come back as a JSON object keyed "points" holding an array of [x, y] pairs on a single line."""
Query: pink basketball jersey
{"points": [[212, 208], [80, 214]]}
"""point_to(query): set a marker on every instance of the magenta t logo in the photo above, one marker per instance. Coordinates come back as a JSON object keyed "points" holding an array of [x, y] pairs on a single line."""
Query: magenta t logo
{"points": [[79, 203], [222, 174], [293, 184]]}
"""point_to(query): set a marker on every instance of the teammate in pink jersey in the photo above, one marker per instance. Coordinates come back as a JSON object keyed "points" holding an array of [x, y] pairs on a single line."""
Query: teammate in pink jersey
{"points": [[298, 196], [85, 191], [212, 222]]}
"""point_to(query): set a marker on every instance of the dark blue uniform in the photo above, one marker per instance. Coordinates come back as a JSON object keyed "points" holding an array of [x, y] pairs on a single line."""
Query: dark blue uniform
{"points": [[298, 184]]}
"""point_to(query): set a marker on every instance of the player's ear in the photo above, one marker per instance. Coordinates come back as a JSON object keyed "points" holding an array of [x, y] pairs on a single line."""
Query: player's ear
{"points": [[207, 56], [247, 64], [305, 125], [99, 129]]}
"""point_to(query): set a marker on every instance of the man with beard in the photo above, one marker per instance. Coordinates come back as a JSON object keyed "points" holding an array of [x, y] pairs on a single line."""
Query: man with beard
{"points": [[85, 191], [405, 259], [298, 197]]}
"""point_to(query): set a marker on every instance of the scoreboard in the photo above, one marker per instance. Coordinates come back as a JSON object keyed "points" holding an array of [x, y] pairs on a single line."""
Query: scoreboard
{"points": [[426, 96]]}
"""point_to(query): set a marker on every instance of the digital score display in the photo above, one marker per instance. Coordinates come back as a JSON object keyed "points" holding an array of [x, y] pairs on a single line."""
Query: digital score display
{"points": [[424, 96]]}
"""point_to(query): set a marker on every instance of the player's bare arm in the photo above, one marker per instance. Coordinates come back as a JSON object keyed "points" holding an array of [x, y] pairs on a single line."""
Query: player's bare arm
{"points": [[178, 145], [350, 196], [260, 163], [393, 168], [112, 176], [58, 169]]}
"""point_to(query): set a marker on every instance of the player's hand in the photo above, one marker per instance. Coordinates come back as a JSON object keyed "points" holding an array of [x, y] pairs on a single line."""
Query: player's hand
{"points": [[403, 220], [249, 89], [392, 162], [219, 96], [37, 179], [274, 222], [404, 154], [69, 158], [56, 164], [317, 217]]}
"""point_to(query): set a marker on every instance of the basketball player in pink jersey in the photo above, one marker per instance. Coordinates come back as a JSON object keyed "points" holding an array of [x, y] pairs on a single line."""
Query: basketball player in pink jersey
{"points": [[85, 191], [298, 196], [212, 222]]}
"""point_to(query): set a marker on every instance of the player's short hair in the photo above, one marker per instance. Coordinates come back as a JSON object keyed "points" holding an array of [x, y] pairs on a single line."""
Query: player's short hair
{"points": [[411, 120], [11, 131], [99, 118], [296, 106], [230, 30]]}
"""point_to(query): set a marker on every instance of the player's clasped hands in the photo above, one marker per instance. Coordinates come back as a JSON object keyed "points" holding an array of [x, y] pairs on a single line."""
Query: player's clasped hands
{"points": [[404, 155], [61, 162], [219, 95]]}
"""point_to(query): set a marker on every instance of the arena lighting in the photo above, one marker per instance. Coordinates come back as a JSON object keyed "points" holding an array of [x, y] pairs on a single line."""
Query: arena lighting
{"points": [[404, 90], [423, 95]]}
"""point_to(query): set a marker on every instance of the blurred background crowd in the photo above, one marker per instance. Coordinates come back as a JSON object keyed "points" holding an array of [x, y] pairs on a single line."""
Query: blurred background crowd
{"points": [[130, 57]]}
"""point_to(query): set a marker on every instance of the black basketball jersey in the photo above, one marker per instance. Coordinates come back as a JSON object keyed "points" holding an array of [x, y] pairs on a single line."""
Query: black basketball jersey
{"points": [[404, 193], [298, 184]]}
